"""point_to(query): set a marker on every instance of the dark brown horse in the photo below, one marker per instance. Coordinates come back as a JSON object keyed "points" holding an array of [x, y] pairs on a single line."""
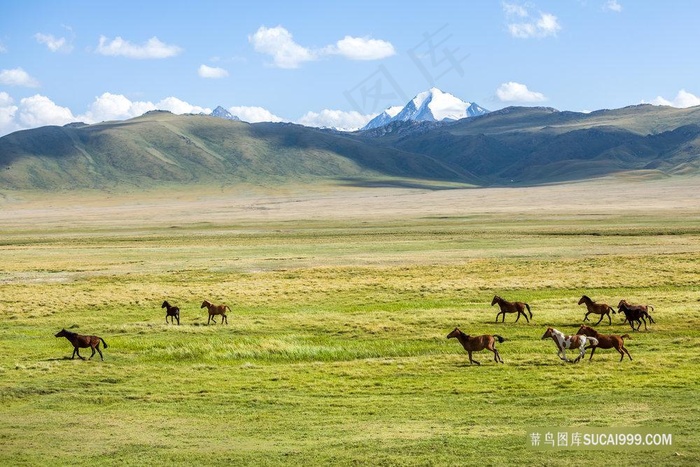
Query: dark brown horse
{"points": [[216, 310], [172, 311], [82, 342], [510, 307], [601, 309], [477, 343], [606, 341], [637, 314]]}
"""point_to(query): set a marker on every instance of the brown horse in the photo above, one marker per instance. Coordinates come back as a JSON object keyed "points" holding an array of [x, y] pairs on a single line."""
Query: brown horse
{"points": [[172, 311], [216, 310], [477, 343], [82, 342], [601, 309], [510, 307], [606, 341]]}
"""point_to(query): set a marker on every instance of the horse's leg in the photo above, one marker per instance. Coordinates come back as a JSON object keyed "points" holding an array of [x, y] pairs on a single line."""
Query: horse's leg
{"points": [[100, 352], [209, 320], [518, 317], [627, 352], [601, 319], [622, 354], [93, 353], [499, 314], [178, 318], [645, 324], [609, 318], [75, 349], [585, 318], [497, 356], [78, 353], [224, 319], [592, 352], [523, 312]]}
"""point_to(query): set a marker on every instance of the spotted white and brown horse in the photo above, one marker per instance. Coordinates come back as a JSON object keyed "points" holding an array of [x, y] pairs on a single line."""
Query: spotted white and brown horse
{"points": [[569, 342]]}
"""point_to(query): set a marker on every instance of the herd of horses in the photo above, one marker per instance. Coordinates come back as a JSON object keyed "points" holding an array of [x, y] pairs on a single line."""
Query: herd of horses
{"points": [[586, 337]]}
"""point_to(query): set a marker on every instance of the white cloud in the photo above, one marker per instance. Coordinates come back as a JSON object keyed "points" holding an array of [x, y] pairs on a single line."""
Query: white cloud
{"points": [[110, 106], [55, 44], [338, 119], [7, 114], [612, 5], [524, 25], [153, 48], [517, 92], [18, 77], [254, 114], [211, 72], [177, 106], [39, 110], [682, 100], [278, 43], [362, 48]]}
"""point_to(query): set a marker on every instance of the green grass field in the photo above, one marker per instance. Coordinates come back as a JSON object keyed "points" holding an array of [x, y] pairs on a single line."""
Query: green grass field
{"points": [[335, 352]]}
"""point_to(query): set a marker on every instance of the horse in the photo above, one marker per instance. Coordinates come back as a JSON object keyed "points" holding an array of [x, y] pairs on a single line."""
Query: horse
{"points": [[79, 341], [511, 307], [172, 311], [637, 314], [477, 343], [601, 309], [216, 310], [606, 341], [569, 342], [638, 310]]}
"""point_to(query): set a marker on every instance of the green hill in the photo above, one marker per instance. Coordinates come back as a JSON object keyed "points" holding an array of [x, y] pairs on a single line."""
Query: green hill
{"points": [[514, 145]]}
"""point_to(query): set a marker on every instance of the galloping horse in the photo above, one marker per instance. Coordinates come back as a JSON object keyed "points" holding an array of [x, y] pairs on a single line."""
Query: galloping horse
{"points": [[82, 342], [606, 341], [172, 311], [601, 309], [477, 343], [636, 312], [511, 307], [216, 310], [569, 342]]}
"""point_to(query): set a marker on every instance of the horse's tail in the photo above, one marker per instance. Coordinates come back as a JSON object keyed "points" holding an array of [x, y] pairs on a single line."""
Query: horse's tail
{"points": [[652, 308], [612, 309], [500, 338], [593, 341], [528, 309], [103, 342], [626, 336], [226, 307]]}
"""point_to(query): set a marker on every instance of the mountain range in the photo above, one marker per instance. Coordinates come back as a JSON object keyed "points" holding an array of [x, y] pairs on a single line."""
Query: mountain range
{"points": [[511, 146]]}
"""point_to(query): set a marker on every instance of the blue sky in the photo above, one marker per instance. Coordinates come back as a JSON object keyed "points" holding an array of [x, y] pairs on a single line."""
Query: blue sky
{"points": [[338, 63]]}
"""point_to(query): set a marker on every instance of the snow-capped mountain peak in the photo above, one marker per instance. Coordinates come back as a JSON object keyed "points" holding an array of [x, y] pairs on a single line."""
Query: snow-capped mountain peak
{"points": [[432, 105], [223, 113]]}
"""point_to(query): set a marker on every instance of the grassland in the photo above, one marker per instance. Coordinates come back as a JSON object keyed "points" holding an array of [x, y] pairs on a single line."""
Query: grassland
{"points": [[336, 353]]}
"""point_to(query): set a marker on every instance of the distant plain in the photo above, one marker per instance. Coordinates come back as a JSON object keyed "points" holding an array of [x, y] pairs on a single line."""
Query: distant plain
{"points": [[341, 299]]}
